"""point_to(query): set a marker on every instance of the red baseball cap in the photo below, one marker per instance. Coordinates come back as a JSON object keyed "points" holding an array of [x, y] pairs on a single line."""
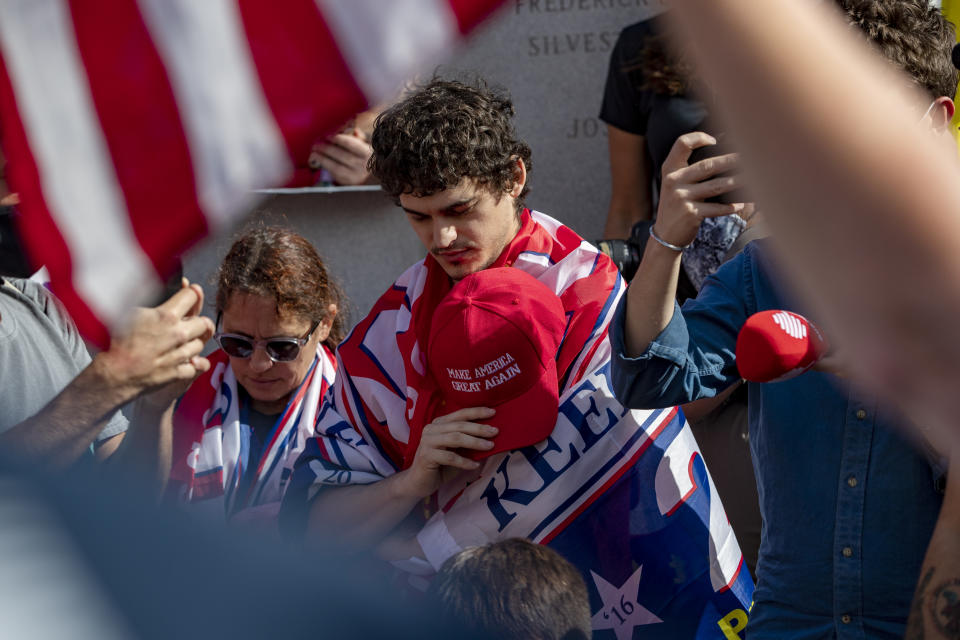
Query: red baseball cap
{"points": [[493, 343], [777, 345]]}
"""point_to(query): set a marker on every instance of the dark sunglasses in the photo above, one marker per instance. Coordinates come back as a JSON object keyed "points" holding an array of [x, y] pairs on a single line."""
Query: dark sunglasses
{"points": [[278, 349]]}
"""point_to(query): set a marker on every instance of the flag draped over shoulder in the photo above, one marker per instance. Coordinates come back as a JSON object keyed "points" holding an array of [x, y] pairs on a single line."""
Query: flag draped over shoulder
{"points": [[211, 450], [626, 497], [383, 359], [133, 127], [622, 494]]}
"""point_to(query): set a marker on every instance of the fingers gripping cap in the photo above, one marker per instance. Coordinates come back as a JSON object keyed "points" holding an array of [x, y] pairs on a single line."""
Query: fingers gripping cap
{"points": [[493, 343]]}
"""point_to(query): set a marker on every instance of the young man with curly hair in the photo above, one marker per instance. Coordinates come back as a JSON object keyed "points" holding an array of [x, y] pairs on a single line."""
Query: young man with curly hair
{"points": [[450, 158], [435, 436], [848, 502]]}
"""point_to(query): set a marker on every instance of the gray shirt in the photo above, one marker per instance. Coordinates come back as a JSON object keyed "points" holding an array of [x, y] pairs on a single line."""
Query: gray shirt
{"points": [[40, 353]]}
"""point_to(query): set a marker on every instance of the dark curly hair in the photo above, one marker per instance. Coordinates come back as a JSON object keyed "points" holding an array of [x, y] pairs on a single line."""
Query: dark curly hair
{"points": [[666, 70], [443, 132], [277, 263], [911, 34]]}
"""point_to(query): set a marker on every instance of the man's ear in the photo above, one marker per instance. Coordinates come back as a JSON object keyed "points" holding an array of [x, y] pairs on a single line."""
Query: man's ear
{"points": [[519, 178], [941, 113]]}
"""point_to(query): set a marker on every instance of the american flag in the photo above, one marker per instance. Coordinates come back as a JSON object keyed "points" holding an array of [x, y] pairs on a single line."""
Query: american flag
{"points": [[132, 128]]}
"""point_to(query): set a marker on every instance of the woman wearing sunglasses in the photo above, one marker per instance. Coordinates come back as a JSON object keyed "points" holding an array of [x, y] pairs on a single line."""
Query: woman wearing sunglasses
{"points": [[239, 428]]}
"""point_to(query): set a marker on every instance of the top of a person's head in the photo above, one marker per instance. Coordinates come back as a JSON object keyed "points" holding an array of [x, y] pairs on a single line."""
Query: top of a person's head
{"points": [[275, 262], [911, 34], [513, 590], [444, 132]]}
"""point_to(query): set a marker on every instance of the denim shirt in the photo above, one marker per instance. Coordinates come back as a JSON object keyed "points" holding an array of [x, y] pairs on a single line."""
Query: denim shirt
{"points": [[848, 504]]}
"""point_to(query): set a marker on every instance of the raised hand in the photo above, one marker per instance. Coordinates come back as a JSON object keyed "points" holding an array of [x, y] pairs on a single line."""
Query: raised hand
{"points": [[686, 187], [160, 345], [345, 156]]}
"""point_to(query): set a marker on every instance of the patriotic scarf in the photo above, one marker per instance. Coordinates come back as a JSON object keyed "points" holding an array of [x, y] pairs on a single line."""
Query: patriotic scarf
{"points": [[211, 443], [624, 495]]}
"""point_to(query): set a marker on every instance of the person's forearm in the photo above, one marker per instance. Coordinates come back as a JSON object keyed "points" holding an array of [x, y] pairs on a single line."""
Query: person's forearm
{"points": [[935, 613], [847, 180], [63, 430], [621, 218], [146, 451], [359, 515], [650, 297], [630, 174]]}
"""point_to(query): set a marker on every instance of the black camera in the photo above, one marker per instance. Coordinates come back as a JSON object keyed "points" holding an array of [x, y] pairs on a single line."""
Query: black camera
{"points": [[626, 254]]}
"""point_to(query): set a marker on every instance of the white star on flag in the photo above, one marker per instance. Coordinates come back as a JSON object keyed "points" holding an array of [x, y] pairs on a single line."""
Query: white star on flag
{"points": [[621, 611]]}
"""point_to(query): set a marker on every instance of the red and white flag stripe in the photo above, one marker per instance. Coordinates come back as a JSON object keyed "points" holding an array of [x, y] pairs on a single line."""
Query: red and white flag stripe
{"points": [[133, 127]]}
